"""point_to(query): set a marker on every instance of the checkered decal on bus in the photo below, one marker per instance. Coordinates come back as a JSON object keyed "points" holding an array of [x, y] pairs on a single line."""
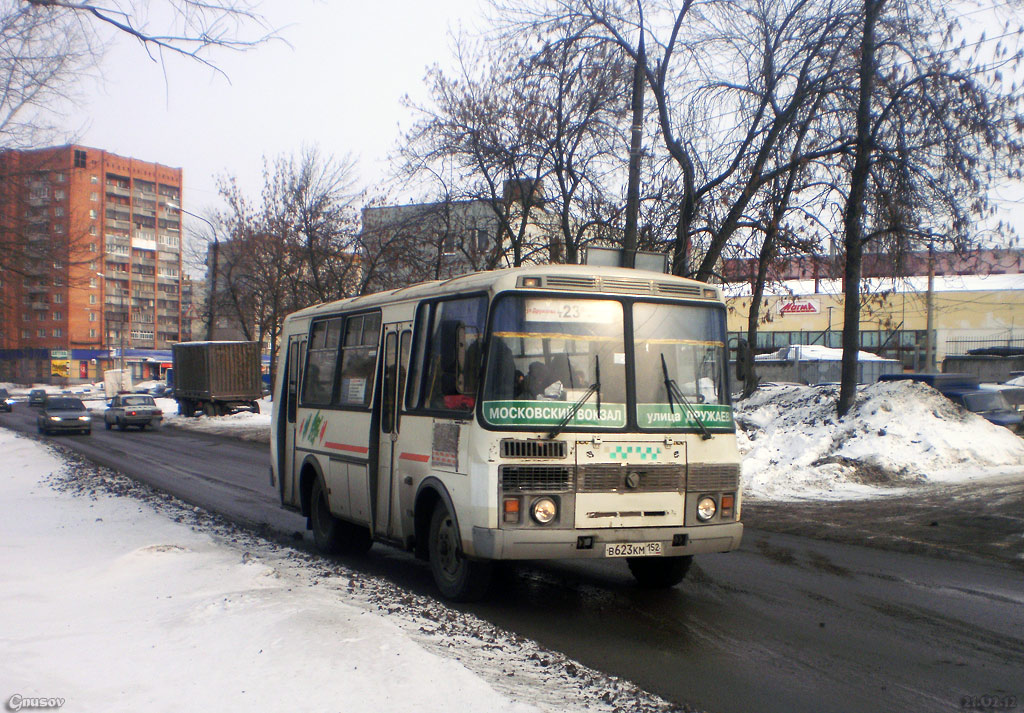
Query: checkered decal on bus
{"points": [[643, 452]]}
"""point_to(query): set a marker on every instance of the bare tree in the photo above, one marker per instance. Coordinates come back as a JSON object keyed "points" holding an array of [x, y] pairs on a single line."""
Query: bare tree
{"points": [[189, 28], [296, 245], [932, 125]]}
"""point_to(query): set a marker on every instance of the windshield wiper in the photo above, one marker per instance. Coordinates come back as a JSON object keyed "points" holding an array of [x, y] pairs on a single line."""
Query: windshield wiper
{"points": [[673, 391], [594, 388]]}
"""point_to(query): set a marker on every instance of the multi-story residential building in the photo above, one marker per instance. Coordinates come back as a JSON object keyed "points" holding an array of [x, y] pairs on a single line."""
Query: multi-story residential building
{"points": [[108, 229]]}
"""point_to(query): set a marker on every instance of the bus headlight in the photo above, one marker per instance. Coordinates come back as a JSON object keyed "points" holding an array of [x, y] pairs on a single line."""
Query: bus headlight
{"points": [[544, 510], [706, 508]]}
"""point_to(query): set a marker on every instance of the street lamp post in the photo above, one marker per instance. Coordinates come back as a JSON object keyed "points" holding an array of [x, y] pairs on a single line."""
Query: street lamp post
{"points": [[212, 292]]}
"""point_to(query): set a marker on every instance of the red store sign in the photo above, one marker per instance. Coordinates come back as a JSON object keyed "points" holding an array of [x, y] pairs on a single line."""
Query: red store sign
{"points": [[799, 307]]}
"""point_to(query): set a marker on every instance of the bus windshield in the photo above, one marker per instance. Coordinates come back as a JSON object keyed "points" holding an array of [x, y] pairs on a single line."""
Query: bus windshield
{"points": [[556, 361], [680, 366]]}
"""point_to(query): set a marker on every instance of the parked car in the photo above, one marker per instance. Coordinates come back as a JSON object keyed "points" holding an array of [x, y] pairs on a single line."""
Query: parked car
{"points": [[5, 400], [966, 390], [63, 413], [132, 410], [991, 405], [36, 397]]}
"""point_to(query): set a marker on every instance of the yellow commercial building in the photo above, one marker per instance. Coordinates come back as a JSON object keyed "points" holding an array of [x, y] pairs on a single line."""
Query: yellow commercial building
{"points": [[969, 312]]}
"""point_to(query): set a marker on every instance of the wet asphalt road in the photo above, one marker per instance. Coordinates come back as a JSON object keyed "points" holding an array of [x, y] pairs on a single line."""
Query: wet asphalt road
{"points": [[788, 623]]}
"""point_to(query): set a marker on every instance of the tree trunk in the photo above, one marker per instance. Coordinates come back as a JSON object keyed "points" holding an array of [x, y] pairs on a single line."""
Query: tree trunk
{"points": [[855, 212]]}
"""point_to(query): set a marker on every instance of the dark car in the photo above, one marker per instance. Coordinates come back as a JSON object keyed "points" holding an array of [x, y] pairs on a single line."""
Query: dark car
{"points": [[36, 397], [5, 400], [132, 410], [990, 405], [64, 414]]}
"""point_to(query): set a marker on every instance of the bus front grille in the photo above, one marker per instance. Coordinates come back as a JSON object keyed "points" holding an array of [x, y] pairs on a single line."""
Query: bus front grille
{"points": [[710, 477], [523, 478], [613, 477], [515, 448]]}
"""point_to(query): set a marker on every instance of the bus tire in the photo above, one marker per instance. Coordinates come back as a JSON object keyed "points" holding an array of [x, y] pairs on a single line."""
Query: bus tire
{"points": [[659, 572], [331, 535], [459, 578]]}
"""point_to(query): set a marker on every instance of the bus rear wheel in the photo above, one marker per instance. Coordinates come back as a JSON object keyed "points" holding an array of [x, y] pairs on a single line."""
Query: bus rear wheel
{"points": [[331, 535], [459, 578], [659, 572]]}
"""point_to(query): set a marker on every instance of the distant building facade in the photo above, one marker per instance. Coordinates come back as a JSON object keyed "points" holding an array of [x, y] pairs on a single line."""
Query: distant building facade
{"points": [[977, 302], [434, 241], [118, 287]]}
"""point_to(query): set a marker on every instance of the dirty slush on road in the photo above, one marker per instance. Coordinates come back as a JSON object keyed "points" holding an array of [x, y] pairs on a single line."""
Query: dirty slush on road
{"points": [[970, 521]]}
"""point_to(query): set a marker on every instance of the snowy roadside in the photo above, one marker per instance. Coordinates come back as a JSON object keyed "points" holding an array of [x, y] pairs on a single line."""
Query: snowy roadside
{"points": [[121, 597], [900, 436]]}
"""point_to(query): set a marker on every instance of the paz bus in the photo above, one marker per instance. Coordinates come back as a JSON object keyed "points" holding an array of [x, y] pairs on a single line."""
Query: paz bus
{"points": [[559, 411]]}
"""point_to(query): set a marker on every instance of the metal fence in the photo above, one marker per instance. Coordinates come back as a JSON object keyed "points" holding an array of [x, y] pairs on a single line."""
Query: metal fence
{"points": [[962, 345]]}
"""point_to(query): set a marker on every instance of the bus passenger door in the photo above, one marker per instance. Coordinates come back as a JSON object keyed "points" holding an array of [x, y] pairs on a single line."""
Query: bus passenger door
{"points": [[296, 357], [397, 344]]}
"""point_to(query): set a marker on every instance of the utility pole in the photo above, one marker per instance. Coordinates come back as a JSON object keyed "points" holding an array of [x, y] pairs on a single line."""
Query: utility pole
{"points": [[629, 242]]}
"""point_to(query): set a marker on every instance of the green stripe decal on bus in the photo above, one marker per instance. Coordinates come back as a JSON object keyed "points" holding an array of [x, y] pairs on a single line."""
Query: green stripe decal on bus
{"points": [[679, 416], [551, 413]]}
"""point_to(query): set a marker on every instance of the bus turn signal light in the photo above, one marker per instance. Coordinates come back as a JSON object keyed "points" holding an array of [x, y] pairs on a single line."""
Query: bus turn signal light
{"points": [[511, 510], [728, 502]]}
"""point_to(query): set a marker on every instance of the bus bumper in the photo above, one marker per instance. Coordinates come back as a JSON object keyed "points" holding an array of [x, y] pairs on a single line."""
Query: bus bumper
{"points": [[537, 544]]}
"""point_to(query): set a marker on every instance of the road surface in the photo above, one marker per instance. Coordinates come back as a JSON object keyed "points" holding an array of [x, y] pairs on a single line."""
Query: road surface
{"points": [[787, 623]]}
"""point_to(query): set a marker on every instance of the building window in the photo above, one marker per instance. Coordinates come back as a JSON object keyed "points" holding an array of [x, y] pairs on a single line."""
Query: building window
{"points": [[40, 332], [26, 334], [92, 247], [26, 316], [92, 332], [92, 282], [92, 299], [92, 229], [57, 316], [94, 178], [58, 332], [92, 214], [94, 196], [58, 211], [57, 298], [58, 193], [79, 158], [92, 316], [59, 177], [58, 228]]}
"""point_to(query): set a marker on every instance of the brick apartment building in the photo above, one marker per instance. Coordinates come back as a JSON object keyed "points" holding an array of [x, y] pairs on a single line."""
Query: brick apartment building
{"points": [[115, 284]]}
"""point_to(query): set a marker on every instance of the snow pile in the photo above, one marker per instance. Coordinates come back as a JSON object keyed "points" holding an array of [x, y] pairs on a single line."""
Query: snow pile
{"points": [[813, 352], [897, 435], [116, 602], [245, 425]]}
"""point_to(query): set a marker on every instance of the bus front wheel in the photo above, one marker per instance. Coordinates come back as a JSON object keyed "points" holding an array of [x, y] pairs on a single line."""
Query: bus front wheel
{"points": [[459, 579], [331, 535], [659, 572]]}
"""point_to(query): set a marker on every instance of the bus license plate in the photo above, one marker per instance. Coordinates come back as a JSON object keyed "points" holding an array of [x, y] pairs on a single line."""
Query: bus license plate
{"points": [[632, 549]]}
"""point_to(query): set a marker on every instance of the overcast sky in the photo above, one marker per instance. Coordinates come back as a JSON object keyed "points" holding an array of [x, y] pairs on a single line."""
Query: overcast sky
{"points": [[339, 85]]}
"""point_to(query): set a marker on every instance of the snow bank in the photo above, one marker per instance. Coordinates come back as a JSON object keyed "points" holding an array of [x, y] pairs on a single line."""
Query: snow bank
{"points": [[117, 603], [245, 425], [899, 434]]}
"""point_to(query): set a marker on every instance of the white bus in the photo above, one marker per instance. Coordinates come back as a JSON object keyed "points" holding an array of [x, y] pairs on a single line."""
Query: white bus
{"points": [[532, 413]]}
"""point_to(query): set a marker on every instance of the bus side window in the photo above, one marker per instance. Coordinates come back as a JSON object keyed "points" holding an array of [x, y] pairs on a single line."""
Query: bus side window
{"points": [[452, 354], [322, 359]]}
